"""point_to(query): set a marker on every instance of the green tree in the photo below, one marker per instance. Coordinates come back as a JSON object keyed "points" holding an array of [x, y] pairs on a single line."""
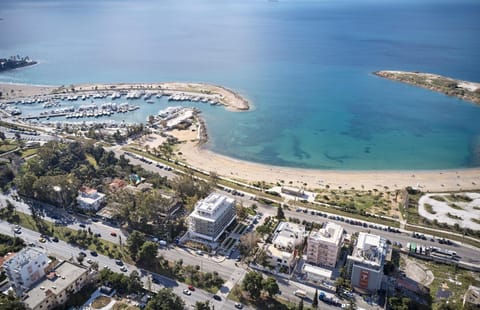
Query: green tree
{"points": [[300, 305], [134, 282], [252, 283], [203, 305], [270, 285], [134, 242], [10, 302], [280, 214], [148, 252], [315, 300], [165, 299]]}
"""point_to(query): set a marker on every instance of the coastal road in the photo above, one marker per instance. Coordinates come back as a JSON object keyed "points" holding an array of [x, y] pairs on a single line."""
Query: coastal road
{"points": [[53, 214], [63, 250]]}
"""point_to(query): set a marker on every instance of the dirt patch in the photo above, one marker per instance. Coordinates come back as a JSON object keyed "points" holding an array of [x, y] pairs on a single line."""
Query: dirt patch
{"points": [[100, 302], [418, 272]]}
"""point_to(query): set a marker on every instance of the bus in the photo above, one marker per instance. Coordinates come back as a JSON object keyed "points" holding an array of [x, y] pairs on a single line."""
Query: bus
{"points": [[300, 293]]}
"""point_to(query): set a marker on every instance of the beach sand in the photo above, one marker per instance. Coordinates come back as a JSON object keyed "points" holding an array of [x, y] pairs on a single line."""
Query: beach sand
{"points": [[199, 157], [437, 180]]}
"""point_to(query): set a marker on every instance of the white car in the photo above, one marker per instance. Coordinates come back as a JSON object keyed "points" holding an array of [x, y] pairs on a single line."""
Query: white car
{"points": [[187, 292], [123, 268]]}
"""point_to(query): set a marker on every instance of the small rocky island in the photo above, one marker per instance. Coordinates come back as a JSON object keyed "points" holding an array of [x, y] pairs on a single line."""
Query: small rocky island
{"points": [[457, 88], [15, 62]]}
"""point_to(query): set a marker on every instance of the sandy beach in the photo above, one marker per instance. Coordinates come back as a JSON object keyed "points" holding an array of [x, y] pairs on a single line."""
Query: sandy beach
{"points": [[436, 180], [198, 156]]}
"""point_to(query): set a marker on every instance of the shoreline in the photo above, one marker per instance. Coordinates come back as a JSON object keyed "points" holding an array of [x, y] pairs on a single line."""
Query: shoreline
{"points": [[194, 151], [464, 90], [197, 155]]}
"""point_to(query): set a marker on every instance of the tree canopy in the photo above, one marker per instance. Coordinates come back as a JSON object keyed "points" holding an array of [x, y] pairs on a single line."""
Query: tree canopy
{"points": [[165, 299]]}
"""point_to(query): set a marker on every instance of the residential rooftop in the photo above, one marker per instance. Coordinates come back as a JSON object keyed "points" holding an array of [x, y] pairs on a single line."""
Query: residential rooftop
{"points": [[55, 282], [24, 257], [331, 233], [370, 249], [210, 208]]}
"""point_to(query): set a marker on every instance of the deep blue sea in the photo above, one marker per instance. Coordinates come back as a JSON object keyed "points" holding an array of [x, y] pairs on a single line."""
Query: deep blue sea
{"points": [[306, 66]]}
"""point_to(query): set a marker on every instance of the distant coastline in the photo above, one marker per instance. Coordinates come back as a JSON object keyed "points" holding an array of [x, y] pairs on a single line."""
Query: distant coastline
{"points": [[15, 62], [464, 90]]}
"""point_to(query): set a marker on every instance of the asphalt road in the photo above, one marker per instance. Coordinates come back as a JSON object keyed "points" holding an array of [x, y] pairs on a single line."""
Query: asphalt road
{"points": [[64, 250]]}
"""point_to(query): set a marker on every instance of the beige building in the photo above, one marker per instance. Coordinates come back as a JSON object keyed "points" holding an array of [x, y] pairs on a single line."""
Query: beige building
{"points": [[57, 287], [282, 251], [324, 245]]}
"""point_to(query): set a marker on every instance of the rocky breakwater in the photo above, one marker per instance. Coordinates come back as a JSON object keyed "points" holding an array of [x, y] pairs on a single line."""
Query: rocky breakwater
{"points": [[457, 88]]}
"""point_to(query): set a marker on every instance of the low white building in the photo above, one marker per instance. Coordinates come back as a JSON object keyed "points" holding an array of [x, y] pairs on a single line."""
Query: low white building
{"points": [[211, 217], [324, 245], [89, 199], [56, 287], [365, 265], [286, 238], [26, 268]]}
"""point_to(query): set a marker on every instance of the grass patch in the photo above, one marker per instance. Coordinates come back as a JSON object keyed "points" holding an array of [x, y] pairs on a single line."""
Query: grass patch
{"points": [[7, 147], [455, 278], [100, 302], [455, 206], [453, 216], [438, 198], [123, 306], [92, 161], [429, 208], [460, 198], [29, 152], [64, 233]]}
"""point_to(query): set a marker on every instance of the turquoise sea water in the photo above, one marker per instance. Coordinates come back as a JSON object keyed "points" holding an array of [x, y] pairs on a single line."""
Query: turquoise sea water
{"points": [[305, 65]]}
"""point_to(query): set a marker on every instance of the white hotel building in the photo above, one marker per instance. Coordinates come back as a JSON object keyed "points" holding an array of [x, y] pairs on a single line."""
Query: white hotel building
{"points": [[324, 245], [211, 217]]}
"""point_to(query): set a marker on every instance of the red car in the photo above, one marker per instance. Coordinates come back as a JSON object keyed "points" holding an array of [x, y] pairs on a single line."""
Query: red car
{"points": [[114, 234], [190, 287]]}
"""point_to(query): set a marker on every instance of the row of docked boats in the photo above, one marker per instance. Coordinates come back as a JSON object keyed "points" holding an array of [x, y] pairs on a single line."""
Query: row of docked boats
{"points": [[105, 109], [185, 97]]}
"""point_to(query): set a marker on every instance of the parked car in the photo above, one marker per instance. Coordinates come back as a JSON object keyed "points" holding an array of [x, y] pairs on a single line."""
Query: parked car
{"points": [[216, 297], [238, 305], [119, 262], [82, 225], [93, 253], [55, 239], [113, 234], [123, 268], [190, 287], [187, 292]]}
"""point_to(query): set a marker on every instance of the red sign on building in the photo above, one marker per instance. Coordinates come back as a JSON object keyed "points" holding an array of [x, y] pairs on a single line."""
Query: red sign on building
{"points": [[364, 279]]}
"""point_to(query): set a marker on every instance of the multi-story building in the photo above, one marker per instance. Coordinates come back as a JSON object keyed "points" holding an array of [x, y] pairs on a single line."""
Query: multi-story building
{"points": [[25, 268], [324, 245], [365, 265], [286, 237], [211, 217], [56, 287], [89, 199]]}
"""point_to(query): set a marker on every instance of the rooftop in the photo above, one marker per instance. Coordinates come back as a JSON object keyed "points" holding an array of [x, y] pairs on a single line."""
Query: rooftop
{"points": [[318, 271], [331, 233], [24, 257], [287, 233], [208, 208], [65, 274], [370, 249]]}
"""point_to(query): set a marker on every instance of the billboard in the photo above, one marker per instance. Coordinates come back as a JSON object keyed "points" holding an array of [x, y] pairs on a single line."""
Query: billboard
{"points": [[364, 279]]}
